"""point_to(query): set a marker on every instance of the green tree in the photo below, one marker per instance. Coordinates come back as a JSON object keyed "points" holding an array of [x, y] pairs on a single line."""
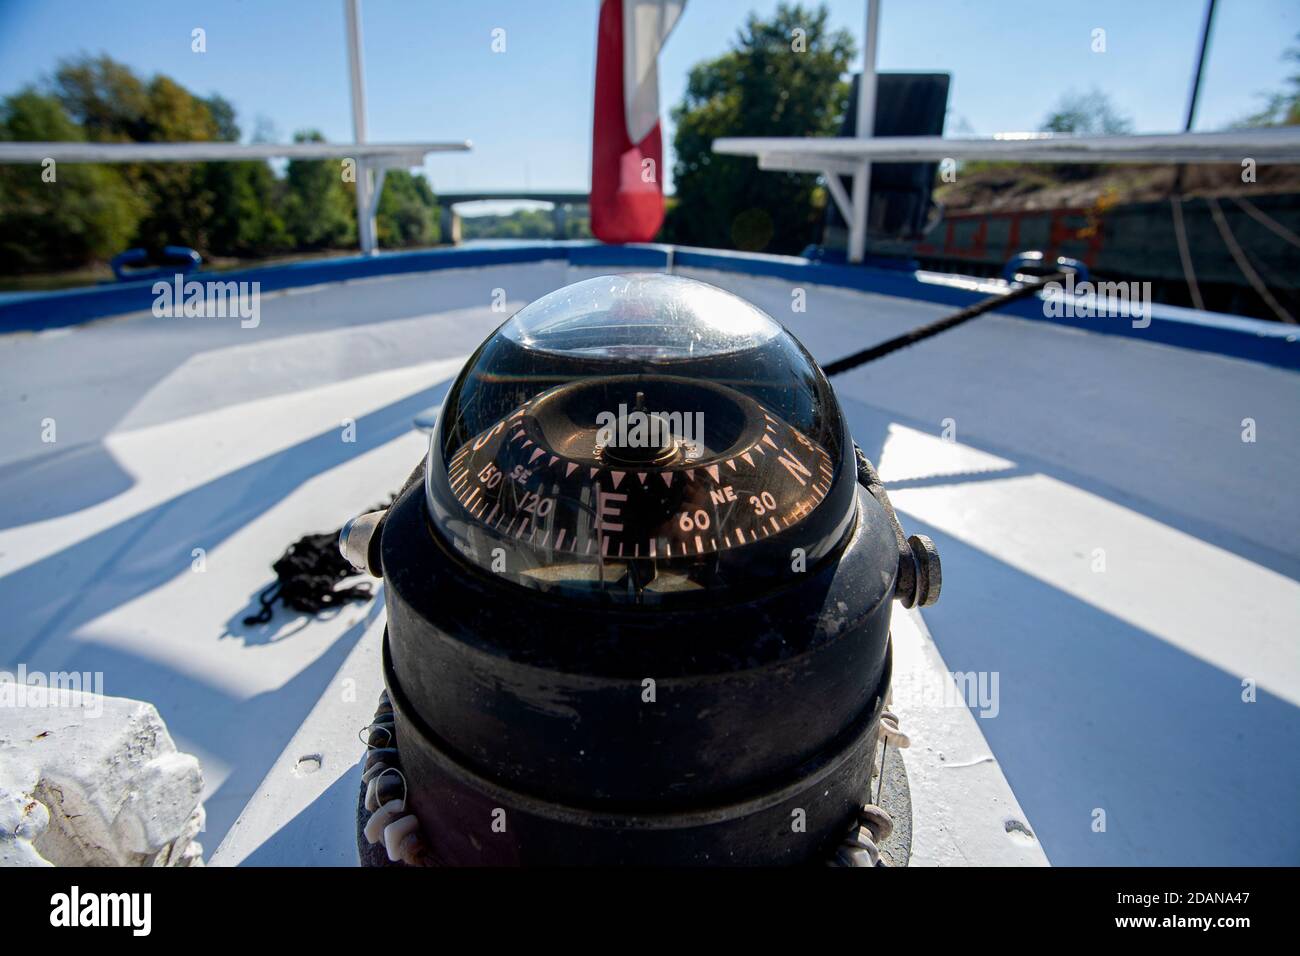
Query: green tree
{"points": [[247, 199], [408, 211], [1090, 113], [319, 209], [223, 117], [105, 98], [1283, 108], [181, 202], [782, 77], [246, 217], [82, 214], [111, 104]]}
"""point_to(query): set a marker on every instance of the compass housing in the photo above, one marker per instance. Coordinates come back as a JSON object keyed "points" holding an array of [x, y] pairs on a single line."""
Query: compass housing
{"points": [[638, 438], [664, 682]]}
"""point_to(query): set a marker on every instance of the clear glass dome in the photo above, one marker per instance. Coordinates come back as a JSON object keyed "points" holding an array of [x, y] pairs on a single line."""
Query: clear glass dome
{"points": [[640, 438], [647, 317]]}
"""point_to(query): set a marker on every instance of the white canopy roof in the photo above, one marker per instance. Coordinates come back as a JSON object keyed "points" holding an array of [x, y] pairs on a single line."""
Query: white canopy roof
{"points": [[387, 154], [846, 154]]}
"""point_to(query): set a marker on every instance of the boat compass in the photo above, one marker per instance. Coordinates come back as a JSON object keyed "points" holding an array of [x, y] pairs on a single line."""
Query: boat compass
{"points": [[638, 598]]}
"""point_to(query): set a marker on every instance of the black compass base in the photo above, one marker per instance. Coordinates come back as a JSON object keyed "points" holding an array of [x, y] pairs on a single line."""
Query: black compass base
{"points": [[469, 820]]}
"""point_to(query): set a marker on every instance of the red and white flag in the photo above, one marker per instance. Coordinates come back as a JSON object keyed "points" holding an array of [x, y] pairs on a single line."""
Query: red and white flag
{"points": [[627, 199]]}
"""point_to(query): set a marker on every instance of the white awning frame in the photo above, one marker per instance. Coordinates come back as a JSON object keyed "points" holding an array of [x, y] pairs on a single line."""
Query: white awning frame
{"points": [[815, 154], [390, 155], [373, 161], [833, 157]]}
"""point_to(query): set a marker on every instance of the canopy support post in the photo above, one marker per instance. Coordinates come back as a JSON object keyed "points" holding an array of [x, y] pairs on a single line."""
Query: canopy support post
{"points": [[367, 194], [866, 122]]}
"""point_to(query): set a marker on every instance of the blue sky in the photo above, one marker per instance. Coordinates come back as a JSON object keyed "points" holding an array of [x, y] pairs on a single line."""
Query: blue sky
{"points": [[431, 73]]}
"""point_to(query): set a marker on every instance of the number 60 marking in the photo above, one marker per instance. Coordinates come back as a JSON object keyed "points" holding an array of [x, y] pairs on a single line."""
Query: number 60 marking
{"points": [[699, 521]]}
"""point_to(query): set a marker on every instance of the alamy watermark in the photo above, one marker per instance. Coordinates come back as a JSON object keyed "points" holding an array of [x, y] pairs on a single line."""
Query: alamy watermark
{"points": [[979, 691], [23, 688], [209, 299], [642, 429], [1086, 300], [75, 908]]}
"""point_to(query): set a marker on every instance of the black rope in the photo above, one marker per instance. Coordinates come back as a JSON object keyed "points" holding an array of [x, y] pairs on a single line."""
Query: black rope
{"points": [[308, 574], [923, 332], [307, 577]]}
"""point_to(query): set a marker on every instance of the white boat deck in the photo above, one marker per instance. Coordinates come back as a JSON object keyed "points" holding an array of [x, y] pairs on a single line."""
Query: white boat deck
{"points": [[1113, 551]]}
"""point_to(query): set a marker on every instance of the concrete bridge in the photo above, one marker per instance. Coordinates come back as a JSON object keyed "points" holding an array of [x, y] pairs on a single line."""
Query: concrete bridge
{"points": [[561, 201]]}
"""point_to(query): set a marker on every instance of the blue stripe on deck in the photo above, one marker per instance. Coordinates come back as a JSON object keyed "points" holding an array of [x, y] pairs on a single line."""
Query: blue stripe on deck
{"points": [[1252, 339]]}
